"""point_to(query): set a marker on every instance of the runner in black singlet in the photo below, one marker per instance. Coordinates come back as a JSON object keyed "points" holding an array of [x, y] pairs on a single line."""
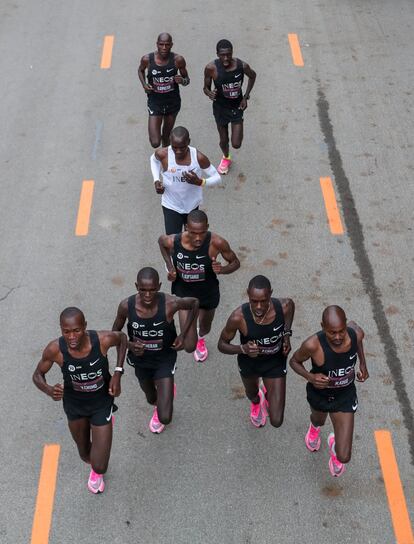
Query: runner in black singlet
{"points": [[334, 352], [229, 103], [191, 261], [88, 391], [160, 74], [153, 340], [264, 324]]}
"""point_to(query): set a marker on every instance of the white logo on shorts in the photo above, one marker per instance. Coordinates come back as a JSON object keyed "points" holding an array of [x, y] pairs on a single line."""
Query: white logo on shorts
{"points": [[355, 406], [71, 368], [180, 255], [110, 415], [173, 370]]}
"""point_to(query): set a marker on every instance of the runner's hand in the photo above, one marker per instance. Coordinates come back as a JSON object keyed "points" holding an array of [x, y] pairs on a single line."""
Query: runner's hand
{"points": [[211, 94], [286, 345], [137, 348], [320, 381], [178, 343], [251, 349], [362, 375], [57, 392], [159, 187], [172, 274], [192, 178], [243, 104], [178, 79], [148, 88], [115, 385], [216, 266]]}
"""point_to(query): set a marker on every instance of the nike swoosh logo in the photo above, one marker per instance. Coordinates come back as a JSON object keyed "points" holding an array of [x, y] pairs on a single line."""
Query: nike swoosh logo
{"points": [[110, 415], [173, 370], [237, 75], [275, 328], [170, 70], [94, 362], [353, 356], [151, 112], [200, 256], [284, 370], [156, 324], [354, 407]]}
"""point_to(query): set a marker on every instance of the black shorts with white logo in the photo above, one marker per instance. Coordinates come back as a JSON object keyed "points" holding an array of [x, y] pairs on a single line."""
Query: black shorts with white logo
{"points": [[98, 411], [224, 116], [164, 370], [163, 107], [270, 368], [322, 400]]}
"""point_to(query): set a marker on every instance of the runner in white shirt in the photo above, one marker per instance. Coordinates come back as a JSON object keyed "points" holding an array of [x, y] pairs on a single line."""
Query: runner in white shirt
{"points": [[180, 172]]}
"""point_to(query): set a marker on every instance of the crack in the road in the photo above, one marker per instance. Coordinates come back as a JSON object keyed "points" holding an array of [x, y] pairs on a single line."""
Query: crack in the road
{"points": [[10, 290], [356, 236]]}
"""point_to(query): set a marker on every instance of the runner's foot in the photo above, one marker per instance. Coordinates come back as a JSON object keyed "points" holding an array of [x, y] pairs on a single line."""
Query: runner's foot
{"points": [[96, 482], [336, 468], [313, 438], [155, 424], [201, 351], [258, 411], [224, 166]]}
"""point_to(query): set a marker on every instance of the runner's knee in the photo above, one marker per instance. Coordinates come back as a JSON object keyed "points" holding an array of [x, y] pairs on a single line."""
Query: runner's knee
{"points": [[155, 141], [276, 420], [236, 144], [165, 416], [100, 467], [343, 454]]}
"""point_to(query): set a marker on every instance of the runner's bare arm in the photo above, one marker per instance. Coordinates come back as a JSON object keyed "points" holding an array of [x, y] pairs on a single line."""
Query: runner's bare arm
{"points": [[166, 243], [305, 352], [143, 65], [109, 339], [185, 303], [50, 355], [183, 78], [228, 254], [362, 374], [209, 72], [233, 325], [288, 307]]}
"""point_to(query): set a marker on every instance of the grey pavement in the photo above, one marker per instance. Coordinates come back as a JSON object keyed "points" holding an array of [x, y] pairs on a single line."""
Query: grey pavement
{"points": [[210, 477]]}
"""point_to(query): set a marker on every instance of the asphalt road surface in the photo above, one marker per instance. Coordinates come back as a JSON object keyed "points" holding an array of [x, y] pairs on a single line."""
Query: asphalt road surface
{"points": [[347, 114]]}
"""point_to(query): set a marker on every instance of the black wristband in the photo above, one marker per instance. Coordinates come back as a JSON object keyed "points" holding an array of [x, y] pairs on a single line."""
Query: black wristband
{"points": [[287, 333]]}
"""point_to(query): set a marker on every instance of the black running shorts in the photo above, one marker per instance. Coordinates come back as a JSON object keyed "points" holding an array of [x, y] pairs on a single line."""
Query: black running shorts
{"points": [[334, 401], [99, 411], [224, 116], [165, 370], [208, 298], [273, 368], [166, 107]]}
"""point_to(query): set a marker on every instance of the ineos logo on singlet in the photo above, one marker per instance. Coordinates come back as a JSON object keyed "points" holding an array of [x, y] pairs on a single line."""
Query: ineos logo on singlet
{"points": [[270, 344], [341, 377], [231, 90], [86, 376]]}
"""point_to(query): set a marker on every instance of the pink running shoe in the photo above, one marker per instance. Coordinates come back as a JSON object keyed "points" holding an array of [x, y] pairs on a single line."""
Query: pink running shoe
{"points": [[336, 468], [258, 411], [224, 166], [96, 482], [313, 438], [201, 351], [155, 424]]}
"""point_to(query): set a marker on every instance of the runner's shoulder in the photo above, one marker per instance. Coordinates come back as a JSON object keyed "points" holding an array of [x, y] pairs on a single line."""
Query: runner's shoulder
{"points": [[359, 331]]}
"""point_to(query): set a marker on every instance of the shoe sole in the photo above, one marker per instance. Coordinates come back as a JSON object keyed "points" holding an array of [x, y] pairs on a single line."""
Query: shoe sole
{"points": [[332, 471], [100, 489], [312, 449], [198, 359]]}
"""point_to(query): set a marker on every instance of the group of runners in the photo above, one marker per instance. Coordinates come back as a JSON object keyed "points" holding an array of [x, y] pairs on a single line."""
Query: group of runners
{"points": [[192, 259]]}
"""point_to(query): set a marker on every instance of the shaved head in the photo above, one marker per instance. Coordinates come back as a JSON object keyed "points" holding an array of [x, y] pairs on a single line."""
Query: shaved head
{"points": [[148, 273], [164, 37], [70, 312], [333, 316], [180, 133]]}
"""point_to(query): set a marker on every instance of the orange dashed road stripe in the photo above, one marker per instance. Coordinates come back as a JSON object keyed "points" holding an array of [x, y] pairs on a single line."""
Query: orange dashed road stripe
{"points": [[106, 59], [45, 494], [334, 218], [295, 49], [394, 489], [85, 205]]}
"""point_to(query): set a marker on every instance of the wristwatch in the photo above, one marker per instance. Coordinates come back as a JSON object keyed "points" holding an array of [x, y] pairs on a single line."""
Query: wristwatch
{"points": [[119, 369]]}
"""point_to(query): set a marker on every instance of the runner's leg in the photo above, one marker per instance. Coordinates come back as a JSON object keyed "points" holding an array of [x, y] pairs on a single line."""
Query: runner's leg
{"points": [[251, 385], [205, 319], [81, 434], [343, 424], [167, 126], [223, 131], [236, 135], [190, 341], [275, 395], [101, 447], [173, 221], [148, 386], [165, 396], [154, 130]]}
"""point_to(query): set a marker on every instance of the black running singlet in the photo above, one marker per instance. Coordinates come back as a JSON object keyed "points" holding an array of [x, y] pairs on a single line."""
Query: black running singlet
{"points": [[195, 275], [269, 338], [339, 367], [156, 333], [87, 377], [161, 78], [229, 85]]}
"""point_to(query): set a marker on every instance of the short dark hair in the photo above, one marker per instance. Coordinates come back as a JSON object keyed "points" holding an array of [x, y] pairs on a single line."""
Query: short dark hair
{"points": [[181, 133], [71, 311], [259, 282], [148, 273], [224, 44], [167, 37], [197, 216]]}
